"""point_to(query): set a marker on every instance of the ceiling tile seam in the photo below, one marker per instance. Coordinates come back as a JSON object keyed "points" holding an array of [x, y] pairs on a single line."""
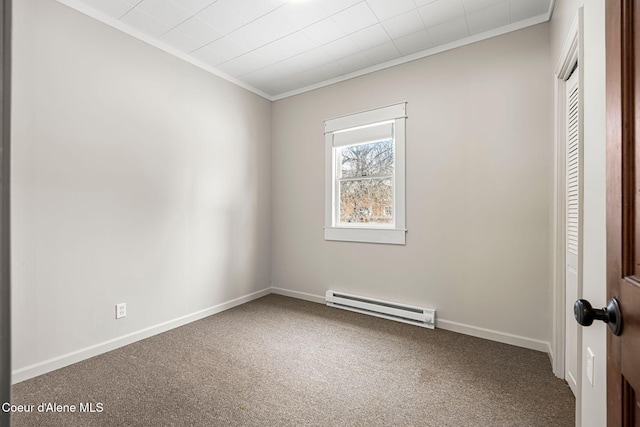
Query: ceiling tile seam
{"points": [[244, 25], [298, 74], [378, 45], [129, 11], [322, 45], [465, 8], [229, 33], [153, 18], [424, 28], [335, 60], [447, 22], [368, 57], [184, 35], [293, 32], [487, 7], [342, 10], [385, 30], [419, 55], [466, 21], [317, 45], [300, 53], [483, 8], [424, 24], [366, 28], [185, 20]]}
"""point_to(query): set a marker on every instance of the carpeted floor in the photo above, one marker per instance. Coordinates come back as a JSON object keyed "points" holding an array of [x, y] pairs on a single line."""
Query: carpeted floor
{"points": [[281, 361]]}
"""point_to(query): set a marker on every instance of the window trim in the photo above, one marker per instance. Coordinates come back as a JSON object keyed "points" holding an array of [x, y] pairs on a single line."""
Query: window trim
{"points": [[379, 233]]}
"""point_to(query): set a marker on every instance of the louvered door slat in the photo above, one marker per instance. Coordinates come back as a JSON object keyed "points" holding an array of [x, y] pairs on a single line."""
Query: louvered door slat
{"points": [[573, 171]]}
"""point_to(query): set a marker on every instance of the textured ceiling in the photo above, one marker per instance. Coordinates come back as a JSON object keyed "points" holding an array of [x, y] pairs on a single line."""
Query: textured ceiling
{"points": [[281, 47]]}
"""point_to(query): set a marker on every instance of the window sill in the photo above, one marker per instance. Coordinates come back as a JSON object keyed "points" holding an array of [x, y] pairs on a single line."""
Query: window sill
{"points": [[390, 236]]}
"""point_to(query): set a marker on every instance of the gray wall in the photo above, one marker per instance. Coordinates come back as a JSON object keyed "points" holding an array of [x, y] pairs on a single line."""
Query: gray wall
{"points": [[137, 178], [478, 189]]}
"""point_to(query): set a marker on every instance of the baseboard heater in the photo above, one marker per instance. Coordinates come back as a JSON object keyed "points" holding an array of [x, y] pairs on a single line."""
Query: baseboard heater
{"points": [[424, 317]]}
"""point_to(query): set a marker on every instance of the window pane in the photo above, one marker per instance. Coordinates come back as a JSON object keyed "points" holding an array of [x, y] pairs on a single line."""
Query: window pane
{"points": [[373, 159], [366, 201]]}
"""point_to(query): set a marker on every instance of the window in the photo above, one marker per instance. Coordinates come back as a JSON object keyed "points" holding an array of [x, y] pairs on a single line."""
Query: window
{"points": [[364, 169]]}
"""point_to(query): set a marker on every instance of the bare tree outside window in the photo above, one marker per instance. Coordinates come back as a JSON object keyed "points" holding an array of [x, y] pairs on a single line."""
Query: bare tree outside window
{"points": [[365, 179]]}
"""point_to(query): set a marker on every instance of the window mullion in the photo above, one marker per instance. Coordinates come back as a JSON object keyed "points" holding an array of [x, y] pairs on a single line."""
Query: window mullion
{"points": [[362, 178]]}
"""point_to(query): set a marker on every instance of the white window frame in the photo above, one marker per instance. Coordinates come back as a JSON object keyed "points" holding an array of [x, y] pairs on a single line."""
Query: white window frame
{"points": [[368, 233]]}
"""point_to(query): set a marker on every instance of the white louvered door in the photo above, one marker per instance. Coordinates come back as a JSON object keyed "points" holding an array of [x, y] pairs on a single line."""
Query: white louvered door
{"points": [[573, 216]]}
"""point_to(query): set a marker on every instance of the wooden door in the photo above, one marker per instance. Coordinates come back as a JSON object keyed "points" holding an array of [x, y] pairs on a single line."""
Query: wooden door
{"points": [[623, 209]]}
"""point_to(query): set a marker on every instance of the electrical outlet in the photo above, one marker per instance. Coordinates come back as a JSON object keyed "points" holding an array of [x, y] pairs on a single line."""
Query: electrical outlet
{"points": [[121, 310], [590, 358]]}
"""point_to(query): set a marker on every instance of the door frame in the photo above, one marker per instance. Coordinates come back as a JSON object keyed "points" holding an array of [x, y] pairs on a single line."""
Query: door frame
{"points": [[5, 238], [572, 54]]}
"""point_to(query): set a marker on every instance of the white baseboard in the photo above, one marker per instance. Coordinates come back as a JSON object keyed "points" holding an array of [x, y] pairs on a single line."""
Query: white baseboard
{"points": [[550, 354], [299, 295], [448, 325], [492, 335], [40, 368]]}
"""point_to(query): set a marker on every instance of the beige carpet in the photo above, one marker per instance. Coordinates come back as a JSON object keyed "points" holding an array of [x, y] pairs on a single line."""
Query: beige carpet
{"points": [[281, 361]]}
